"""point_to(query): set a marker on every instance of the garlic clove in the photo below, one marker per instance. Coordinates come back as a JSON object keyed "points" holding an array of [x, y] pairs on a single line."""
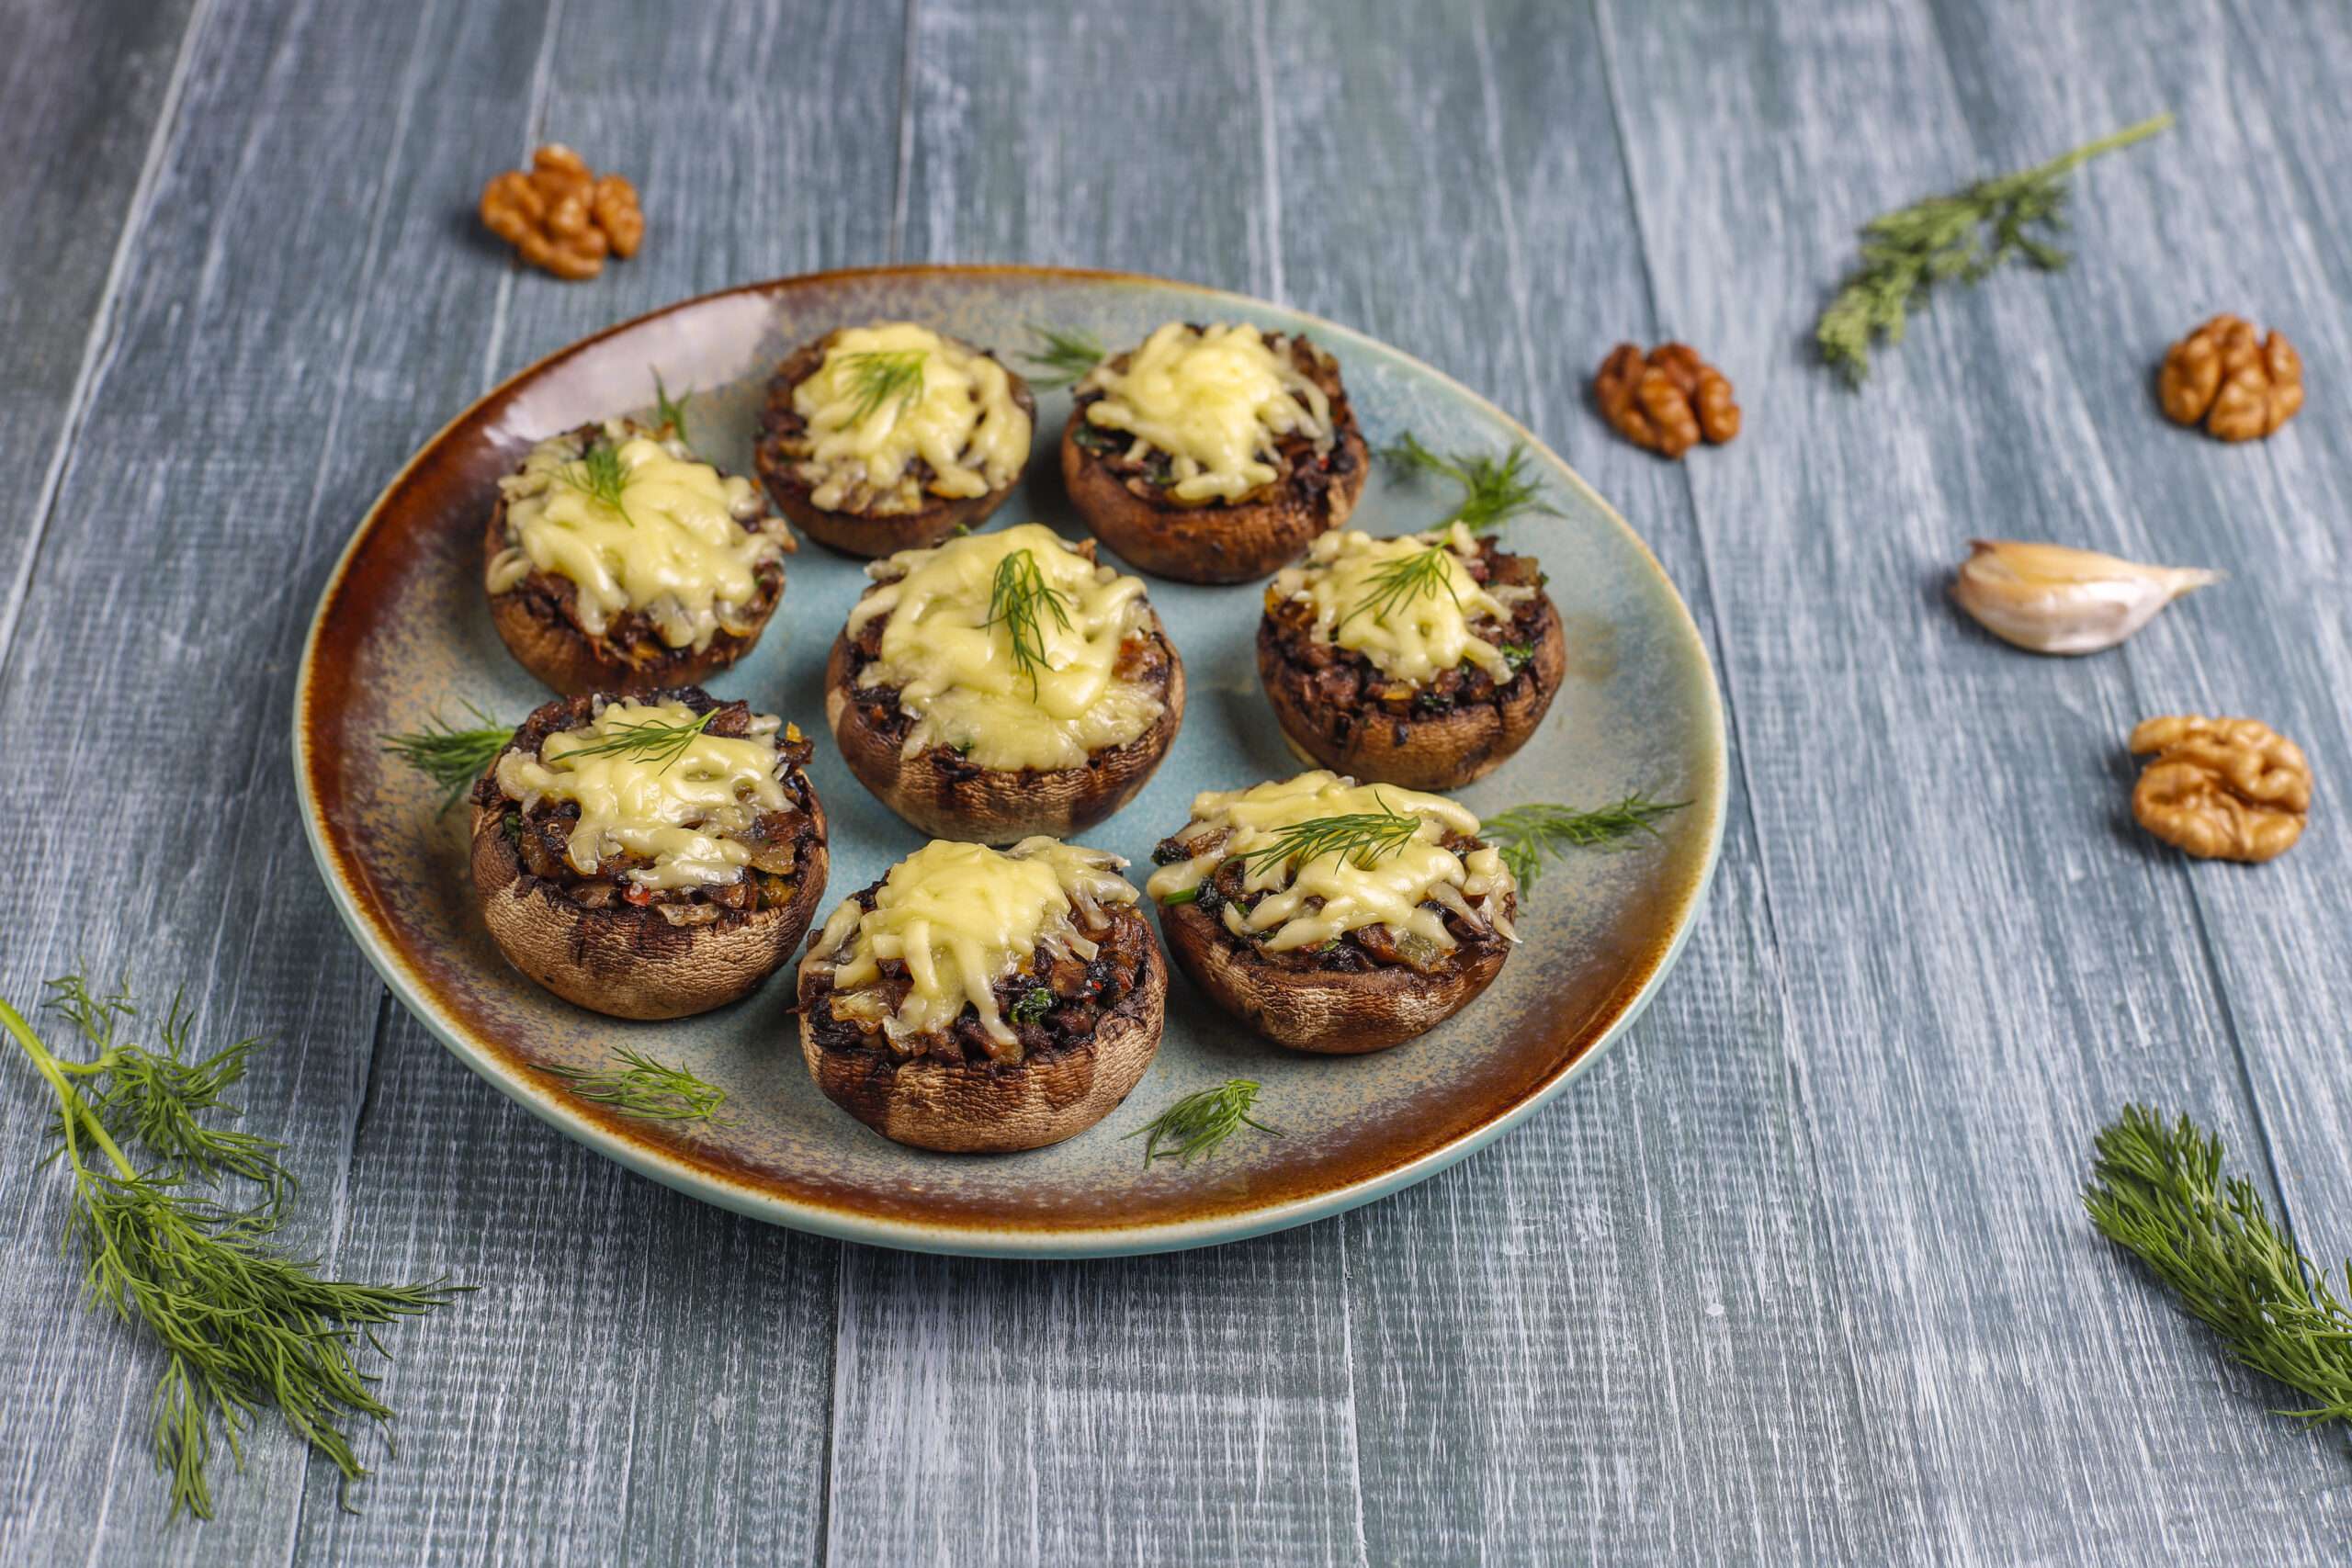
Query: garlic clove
{"points": [[2055, 599]]}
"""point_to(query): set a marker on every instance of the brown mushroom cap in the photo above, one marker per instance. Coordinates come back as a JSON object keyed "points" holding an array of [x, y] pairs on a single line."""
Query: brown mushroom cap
{"points": [[1438, 751], [632, 963], [1333, 1012], [868, 534], [987, 1107], [947, 798], [1229, 543]]}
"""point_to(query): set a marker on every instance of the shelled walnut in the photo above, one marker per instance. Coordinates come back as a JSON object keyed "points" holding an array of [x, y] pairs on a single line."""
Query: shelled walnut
{"points": [[562, 216], [1667, 399], [2221, 788], [2239, 386]]}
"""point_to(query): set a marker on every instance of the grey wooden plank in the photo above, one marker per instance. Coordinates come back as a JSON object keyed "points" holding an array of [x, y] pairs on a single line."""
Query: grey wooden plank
{"points": [[1616, 1335], [2163, 243], [1980, 965], [642, 1378], [89, 90], [236, 425], [1191, 1408]]}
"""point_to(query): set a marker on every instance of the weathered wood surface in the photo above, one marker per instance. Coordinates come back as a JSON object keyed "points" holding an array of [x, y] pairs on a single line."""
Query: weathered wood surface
{"points": [[1797, 1276]]}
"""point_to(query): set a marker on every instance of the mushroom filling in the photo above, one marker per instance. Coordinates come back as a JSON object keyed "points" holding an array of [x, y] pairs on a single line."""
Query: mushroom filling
{"points": [[631, 804], [1321, 872], [1300, 449], [1006, 651], [627, 539], [1340, 661], [968, 954], [886, 418]]}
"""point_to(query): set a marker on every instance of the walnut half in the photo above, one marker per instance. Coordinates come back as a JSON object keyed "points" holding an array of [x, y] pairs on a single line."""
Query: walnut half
{"points": [[1666, 400], [2241, 387], [2221, 788]]}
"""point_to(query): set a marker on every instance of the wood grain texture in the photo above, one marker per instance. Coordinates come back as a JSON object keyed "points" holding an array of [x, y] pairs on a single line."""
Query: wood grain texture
{"points": [[90, 90], [1983, 959], [1595, 1253], [1796, 1275], [1193, 1407], [642, 1378]]}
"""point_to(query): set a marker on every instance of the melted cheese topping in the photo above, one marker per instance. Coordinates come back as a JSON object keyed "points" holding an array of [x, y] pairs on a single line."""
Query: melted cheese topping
{"points": [[1214, 402], [1345, 578], [1314, 901], [955, 671], [676, 808], [960, 418], [963, 917], [676, 547]]}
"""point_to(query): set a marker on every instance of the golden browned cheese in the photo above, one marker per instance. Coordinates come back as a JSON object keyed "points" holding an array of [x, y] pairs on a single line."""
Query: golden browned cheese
{"points": [[1215, 401], [962, 917], [1311, 901], [683, 807]]}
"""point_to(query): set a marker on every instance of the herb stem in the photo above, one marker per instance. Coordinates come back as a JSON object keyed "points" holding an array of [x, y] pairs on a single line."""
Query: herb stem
{"points": [[76, 1109], [2066, 162]]}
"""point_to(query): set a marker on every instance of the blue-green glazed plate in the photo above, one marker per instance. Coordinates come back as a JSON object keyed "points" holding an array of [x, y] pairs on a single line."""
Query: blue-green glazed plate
{"points": [[402, 634]]}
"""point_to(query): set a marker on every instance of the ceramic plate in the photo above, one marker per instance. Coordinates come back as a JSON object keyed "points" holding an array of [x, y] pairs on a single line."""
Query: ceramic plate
{"points": [[402, 634]]}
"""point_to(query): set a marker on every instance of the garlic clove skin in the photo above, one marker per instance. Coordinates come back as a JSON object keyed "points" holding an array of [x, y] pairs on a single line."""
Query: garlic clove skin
{"points": [[2055, 599]]}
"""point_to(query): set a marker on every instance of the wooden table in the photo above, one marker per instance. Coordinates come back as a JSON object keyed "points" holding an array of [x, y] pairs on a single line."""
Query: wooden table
{"points": [[1798, 1275]]}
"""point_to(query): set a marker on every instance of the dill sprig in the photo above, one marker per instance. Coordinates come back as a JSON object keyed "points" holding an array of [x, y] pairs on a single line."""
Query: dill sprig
{"points": [[1019, 600], [1398, 584], [644, 1088], [600, 475], [450, 757], [1962, 237], [1200, 1121], [670, 414], [158, 1098], [243, 1325], [1525, 834], [1494, 490], [649, 741], [883, 375], [2155, 1191], [1062, 356], [1365, 837]]}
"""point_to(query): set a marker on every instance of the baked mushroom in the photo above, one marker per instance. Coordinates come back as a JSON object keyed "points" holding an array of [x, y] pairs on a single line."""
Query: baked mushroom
{"points": [[1423, 661], [1332, 916], [1003, 685], [616, 561], [980, 1001], [648, 857], [1213, 453], [891, 436]]}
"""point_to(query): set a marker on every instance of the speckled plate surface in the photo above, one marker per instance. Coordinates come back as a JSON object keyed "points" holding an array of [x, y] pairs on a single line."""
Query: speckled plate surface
{"points": [[402, 633]]}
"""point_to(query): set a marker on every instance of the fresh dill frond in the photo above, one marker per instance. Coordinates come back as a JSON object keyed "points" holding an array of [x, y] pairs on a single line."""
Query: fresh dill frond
{"points": [[157, 1099], [649, 741], [1398, 584], [1960, 237], [1198, 1123], [644, 1088], [1365, 837], [670, 414], [1525, 835], [883, 375], [1062, 356], [1019, 600], [2155, 1191], [450, 757], [600, 475], [243, 1325], [1494, 490]]}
